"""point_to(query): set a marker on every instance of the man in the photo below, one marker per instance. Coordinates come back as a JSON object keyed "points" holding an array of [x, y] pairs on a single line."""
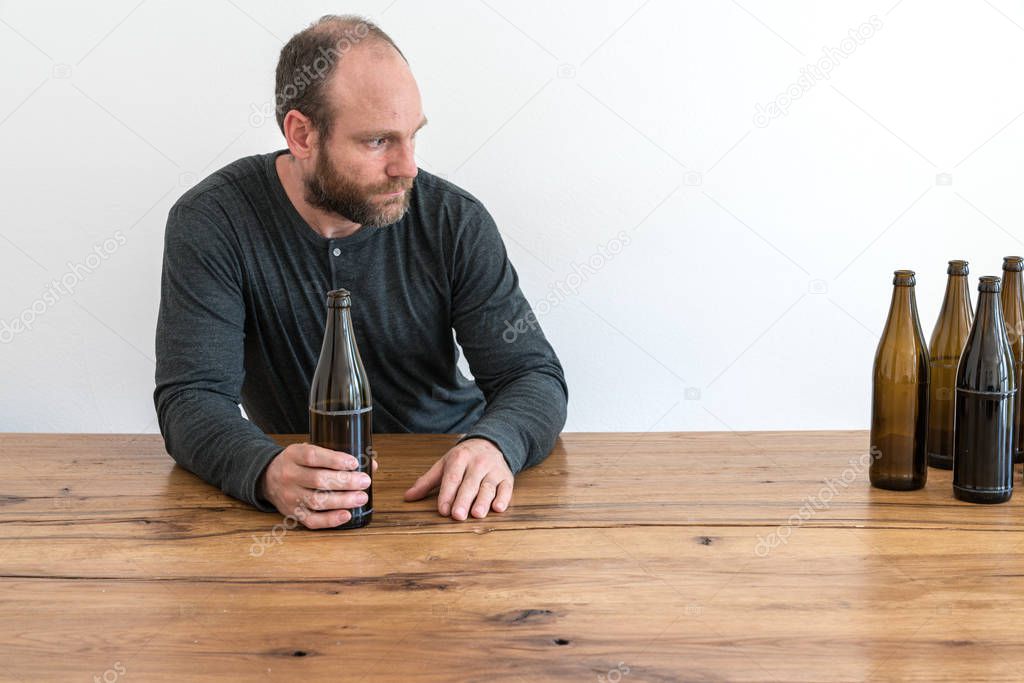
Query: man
{"points": [[251, 251]]}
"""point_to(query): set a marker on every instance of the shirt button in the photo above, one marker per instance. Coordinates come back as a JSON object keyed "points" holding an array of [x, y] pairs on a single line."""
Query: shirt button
{"points": [[336, 252]]}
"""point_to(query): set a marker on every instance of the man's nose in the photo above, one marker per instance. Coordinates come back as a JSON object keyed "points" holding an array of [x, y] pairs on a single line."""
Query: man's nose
{"points": [[403, 162]]}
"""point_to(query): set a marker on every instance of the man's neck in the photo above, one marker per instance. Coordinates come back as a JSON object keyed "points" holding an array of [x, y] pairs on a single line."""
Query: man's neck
{"points": [[324, 223]]}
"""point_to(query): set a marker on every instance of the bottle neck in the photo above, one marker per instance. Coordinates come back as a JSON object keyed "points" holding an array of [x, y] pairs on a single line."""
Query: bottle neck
{"points": [[339, 382], [339, 321], [957, 290], [903, 309], [990, 312], [957, 300], [1012, 291], [341, 337], [1011, 280]]}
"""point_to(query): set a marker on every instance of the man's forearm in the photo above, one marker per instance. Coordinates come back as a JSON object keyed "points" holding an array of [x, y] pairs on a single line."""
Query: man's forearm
{"points": [[206, 434], [524, 418]]}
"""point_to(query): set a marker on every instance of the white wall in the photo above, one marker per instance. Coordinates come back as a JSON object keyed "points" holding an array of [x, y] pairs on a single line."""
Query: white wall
{"points": [[757, 275]]}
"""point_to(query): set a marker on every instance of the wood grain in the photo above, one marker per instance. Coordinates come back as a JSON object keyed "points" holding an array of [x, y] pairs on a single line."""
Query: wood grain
{"points": [[625, 557]]}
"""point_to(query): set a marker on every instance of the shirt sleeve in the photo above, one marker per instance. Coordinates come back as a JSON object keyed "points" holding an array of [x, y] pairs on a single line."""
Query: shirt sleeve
{"points": [[510, 358], [200, 359]]}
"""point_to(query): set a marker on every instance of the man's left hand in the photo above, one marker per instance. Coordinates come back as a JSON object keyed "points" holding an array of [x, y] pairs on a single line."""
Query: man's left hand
{"points": [[473, 478]]}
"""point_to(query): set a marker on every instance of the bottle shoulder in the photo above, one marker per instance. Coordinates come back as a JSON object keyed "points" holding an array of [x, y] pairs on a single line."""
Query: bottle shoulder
{"points": [[987, 364]]}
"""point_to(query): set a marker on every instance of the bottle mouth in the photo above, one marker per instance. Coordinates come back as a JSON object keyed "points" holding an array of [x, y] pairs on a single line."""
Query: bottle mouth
{"points": [[1013, 263], [339, 298], [904, 278], [958, 268], [989, 283]]}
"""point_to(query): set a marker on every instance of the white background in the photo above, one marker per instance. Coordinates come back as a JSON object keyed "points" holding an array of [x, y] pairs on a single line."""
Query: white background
{"points": [[757, 276]]}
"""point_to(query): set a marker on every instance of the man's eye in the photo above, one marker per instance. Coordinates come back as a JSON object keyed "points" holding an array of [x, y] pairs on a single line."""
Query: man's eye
{"points": [[377, 142]]}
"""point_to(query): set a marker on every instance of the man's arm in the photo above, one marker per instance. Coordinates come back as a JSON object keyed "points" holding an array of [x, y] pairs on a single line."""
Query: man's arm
{"points": [[511, 360], [518, 373], [200, 360]]}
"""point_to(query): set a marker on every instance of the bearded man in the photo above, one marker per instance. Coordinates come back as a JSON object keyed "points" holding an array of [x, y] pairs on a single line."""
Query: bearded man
{"points": [[251, 252]]}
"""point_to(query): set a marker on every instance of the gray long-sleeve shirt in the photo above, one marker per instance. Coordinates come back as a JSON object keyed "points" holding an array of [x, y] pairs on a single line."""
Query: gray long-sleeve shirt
{"points": [[243, 309]]}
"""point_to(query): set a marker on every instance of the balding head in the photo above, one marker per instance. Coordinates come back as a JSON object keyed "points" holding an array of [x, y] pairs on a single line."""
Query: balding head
{"points": [[350, 47]]}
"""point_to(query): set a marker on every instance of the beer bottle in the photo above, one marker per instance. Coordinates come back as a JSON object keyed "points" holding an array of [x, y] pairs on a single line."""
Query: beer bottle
{"points": [[340, 404], [899, 401], [1012, 299], [944, 349], [983, 423]]}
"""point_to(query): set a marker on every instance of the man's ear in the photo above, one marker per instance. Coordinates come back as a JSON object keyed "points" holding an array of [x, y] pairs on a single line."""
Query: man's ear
{"points": [[300, 134]]}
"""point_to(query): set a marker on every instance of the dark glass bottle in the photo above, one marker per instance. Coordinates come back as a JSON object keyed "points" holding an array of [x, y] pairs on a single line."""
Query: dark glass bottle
{"points": [[340, 403], [899, 399], [944, 349], [1012, 300], [985, 388]]}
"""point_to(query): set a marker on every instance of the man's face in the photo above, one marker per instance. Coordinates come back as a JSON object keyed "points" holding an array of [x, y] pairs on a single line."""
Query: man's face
{"points": [[364, 171]]}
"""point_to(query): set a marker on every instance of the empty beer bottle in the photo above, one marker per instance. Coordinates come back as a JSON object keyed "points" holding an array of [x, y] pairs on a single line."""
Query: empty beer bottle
{"points": [[340, 403], [899, 400], [985, 388], [944, 349], [1012, 299]]}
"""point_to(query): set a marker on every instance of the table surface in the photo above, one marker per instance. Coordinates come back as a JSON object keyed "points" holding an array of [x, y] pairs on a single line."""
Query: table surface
{"points": [[624, 557]]}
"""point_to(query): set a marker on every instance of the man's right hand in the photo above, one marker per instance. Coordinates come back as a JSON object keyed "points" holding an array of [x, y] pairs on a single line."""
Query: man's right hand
{"points": [[315, 485]]}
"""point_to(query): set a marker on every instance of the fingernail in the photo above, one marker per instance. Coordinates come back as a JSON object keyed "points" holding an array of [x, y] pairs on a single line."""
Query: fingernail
{"points": [[460, 512]]}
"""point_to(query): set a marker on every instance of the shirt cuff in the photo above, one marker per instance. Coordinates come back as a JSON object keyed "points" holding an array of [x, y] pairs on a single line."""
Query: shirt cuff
{"points": [[257, 466]]}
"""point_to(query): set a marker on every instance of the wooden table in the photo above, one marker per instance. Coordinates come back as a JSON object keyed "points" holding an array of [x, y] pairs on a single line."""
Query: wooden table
{"points": [[624, 557]]}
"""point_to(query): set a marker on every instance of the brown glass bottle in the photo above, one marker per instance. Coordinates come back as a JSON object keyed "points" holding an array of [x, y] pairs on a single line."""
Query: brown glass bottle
{"points": [[1012, 300], [985, 388], [944, 349], [899, 399], [340, 403]]}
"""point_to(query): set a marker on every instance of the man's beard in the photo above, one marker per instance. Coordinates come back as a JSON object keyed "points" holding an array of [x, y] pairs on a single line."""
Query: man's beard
{"points": [[328, 190]]}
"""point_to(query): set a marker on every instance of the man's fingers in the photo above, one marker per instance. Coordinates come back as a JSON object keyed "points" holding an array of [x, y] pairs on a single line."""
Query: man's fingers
{"points": [[374, 465], [488, 489], [323, 520], [468, 490], [333, 500], [316, 456], [503, 496], [331, 480], [426, 483], [451, 479]]}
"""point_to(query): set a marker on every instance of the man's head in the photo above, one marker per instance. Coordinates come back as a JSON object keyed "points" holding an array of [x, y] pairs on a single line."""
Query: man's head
{"points": [[349, 108]]}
